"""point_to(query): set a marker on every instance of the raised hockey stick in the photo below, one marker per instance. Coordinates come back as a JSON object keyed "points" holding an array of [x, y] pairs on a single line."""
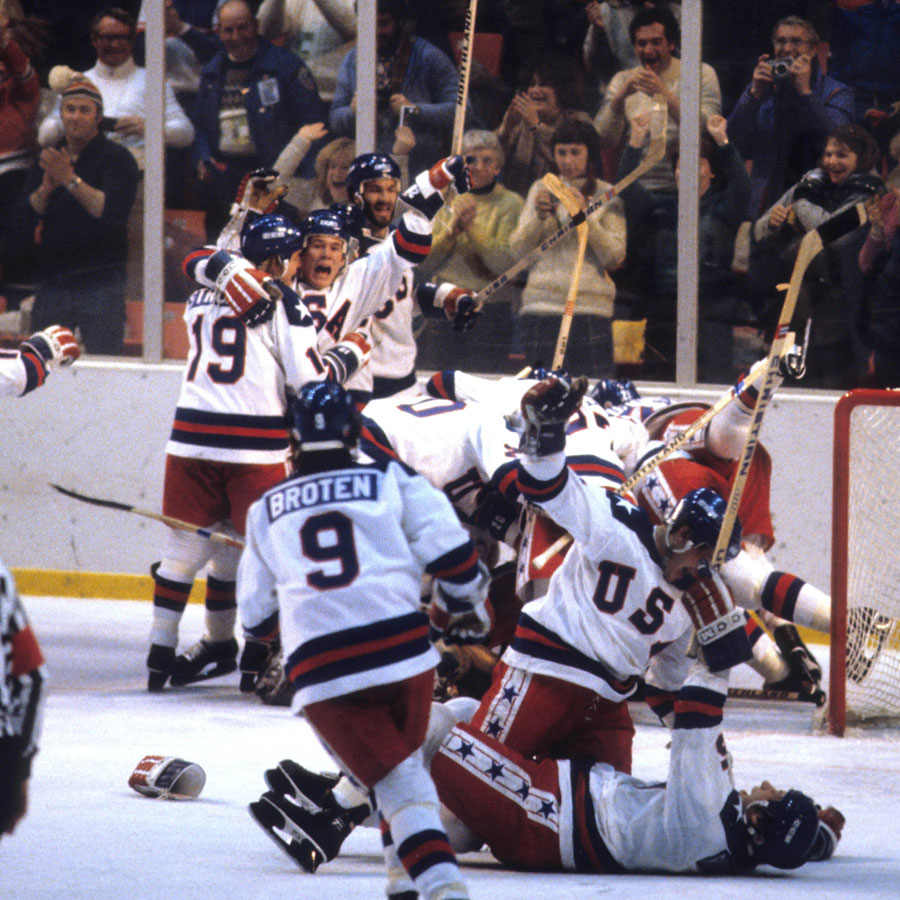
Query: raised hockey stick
{"points": [[655, 153], [462, 86], [811, 245], [639, 474], [567, 197], [216, 537]]}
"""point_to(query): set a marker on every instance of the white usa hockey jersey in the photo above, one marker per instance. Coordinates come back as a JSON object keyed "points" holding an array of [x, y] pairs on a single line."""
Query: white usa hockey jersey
{"points": [[608, 610], [336, 559], [233, 401]]}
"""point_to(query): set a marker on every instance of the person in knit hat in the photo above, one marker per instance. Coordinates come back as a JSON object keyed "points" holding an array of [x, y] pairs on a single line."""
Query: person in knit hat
{"points": [[71, 218]]}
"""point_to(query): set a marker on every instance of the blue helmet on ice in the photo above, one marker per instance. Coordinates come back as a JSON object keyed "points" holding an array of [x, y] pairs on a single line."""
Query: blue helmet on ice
{"points": [[325, 417], [614, 392], [703, 511], [268, 236], [368, 167], [783, 832]]}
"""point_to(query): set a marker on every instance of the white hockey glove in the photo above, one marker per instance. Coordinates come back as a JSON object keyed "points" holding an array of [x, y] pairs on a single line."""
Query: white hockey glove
{"points": [[461, 614], [55, 345], [348, 356], [250, 292], [256, 657], [545, 409], [168, 777], [720, 626]]}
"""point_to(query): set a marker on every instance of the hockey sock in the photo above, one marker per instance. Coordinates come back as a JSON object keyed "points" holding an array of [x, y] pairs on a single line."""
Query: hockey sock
{"points": [[221, 609], [408, 801], [170, 597], [792, 598]]}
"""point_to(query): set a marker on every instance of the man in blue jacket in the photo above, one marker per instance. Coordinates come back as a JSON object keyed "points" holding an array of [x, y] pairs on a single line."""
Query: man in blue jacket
{"points": [[253, 98]]}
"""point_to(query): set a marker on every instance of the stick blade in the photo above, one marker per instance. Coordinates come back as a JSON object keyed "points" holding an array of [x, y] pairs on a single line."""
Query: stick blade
{"points": [[96, 501]]}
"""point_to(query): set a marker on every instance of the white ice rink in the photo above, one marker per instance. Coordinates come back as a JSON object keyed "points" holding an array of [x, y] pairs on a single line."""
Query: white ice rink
{"points": [[88, 836]]}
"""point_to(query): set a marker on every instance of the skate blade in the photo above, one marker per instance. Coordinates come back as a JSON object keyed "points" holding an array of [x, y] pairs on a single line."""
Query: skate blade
{"points": [[219, 669], [301, 851]]}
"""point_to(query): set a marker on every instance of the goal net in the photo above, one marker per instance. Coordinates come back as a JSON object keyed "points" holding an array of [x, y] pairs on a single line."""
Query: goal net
{"points": [[865, 589]]}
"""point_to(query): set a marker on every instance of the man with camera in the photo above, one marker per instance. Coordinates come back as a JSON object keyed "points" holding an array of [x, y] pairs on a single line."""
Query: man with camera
{"points": [[783, 115]]}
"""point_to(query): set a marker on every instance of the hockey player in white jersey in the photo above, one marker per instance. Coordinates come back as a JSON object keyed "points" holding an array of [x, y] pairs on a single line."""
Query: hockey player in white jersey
{"points": [[625, 601], [373, 184], [26, 368], [230, 441], [332, 567], [341, 297], [708, 459]]}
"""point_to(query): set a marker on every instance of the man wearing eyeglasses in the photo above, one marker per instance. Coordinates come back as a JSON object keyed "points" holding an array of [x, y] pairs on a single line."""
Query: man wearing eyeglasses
{"points": [[783, 116], [122, 85]]}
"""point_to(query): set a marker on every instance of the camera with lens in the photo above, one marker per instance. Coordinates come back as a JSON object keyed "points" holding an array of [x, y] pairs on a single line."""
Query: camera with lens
{"points": [[781, 67]]}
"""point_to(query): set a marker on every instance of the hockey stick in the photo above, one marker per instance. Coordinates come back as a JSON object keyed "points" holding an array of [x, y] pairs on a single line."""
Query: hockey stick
{"points": [[655, 153], [811, 245], [665, 452], [462, 86], [567, 197], [817, 698], [217, 537]]}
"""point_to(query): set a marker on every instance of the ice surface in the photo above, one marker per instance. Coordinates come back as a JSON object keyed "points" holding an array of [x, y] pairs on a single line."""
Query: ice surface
{"points": [[88, 836]]}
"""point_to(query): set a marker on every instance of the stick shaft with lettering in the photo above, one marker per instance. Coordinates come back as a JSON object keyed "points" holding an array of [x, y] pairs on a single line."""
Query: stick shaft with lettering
{"points": [[462, 89]]}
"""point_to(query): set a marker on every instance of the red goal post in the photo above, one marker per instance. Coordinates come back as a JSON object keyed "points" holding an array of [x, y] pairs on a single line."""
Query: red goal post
{"points": [[864, 680]]}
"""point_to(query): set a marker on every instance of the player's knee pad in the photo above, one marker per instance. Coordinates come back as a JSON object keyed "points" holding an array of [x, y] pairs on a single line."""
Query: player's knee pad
{"points": [[407, 784], [745, 576], [186, 551]]}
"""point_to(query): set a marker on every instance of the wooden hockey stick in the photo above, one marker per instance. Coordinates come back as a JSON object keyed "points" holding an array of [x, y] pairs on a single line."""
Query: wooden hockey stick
{"points": [[462, 86], [655, 153], [680, 439], [817, 697], [811, 245], [217, 537], [567, 197]]}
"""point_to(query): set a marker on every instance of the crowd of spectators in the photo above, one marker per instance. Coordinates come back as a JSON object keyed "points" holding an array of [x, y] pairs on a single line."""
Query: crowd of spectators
{"points": [[786, 89]]}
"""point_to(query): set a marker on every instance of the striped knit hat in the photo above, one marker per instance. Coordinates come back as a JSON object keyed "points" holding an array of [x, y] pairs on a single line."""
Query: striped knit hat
{"points": [[71, 84]]}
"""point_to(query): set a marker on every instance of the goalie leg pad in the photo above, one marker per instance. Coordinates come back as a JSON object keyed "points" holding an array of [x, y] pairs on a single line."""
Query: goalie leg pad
{"points": [[168, 777]]}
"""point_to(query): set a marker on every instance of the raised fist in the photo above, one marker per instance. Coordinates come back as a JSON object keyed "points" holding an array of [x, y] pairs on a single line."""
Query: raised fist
{"points": [[459, 305], [55, 345], [451, 169], [257, 192], [553, 399]]}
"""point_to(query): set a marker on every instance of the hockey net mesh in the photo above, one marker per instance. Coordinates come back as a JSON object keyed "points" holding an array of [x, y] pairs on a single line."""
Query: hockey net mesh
{"points": [[873, 562]]}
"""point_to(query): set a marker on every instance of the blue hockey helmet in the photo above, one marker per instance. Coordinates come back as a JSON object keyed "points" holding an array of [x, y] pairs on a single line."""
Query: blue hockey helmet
{"points": [[703, 511], [782, 833], [325, 417], [353, 216], [268, 236], [368, 167], [614, 392], [325, 221]]}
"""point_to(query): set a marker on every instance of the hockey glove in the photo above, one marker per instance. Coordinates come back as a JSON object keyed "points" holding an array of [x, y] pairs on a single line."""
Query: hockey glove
{"points": [[55, 345], [249, 291], [451, 169], [255, 659], [498, 517], [459, 306], [720, 626], [348, 356], [461, 614], [257, 193], [168, 777], [545, 409], [424, 194]]}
